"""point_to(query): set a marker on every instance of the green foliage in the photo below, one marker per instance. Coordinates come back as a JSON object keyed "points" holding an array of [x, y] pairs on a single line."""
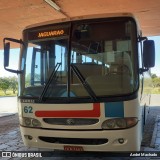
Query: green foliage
{"points": [[13, 84], [156, 82], [4, 84], [154, 76], [7, 83]]}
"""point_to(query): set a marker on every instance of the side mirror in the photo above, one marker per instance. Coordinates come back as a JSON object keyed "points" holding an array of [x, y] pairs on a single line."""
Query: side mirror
{"points": [[148, 54], [7, 53]]}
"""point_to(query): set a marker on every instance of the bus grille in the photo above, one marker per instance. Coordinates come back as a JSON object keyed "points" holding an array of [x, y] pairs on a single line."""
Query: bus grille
{"points": [[78, 141], [70, 121]]}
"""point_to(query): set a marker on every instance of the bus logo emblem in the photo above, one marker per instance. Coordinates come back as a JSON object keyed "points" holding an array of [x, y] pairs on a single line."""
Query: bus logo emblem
{"points": [[70, 121]]}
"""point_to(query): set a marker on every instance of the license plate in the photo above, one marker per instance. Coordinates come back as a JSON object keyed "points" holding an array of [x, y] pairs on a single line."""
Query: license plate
{"points": [[73, 148]]}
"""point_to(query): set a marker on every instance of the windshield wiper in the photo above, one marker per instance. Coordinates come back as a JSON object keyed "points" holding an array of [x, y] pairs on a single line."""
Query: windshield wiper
{"points": [[84, 83], [52, 77]]}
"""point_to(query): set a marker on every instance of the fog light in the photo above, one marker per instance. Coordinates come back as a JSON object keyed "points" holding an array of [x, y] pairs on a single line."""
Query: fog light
{"points": [[121, 140], [30, 137]]}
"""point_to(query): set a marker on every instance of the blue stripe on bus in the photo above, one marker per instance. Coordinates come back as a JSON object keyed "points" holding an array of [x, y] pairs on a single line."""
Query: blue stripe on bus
{"points": [[114, 109]]}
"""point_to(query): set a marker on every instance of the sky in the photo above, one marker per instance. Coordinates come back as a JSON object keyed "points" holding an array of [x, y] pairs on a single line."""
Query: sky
{"points": [[14, 63], [156, 69]]}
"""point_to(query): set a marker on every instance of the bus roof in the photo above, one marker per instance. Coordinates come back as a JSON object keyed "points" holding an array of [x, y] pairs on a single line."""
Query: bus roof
{"points": [[85, 17]]}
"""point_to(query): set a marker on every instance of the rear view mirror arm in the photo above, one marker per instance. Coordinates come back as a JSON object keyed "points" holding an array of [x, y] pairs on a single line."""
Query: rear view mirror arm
{"points": [[13, 40], [6, 53]]}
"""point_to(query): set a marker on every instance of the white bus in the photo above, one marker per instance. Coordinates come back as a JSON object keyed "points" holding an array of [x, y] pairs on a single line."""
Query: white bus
{"points": [[79, 83]]}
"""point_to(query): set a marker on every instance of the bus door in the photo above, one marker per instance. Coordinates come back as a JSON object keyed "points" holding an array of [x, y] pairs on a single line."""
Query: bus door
{"points": [[39, 67]]}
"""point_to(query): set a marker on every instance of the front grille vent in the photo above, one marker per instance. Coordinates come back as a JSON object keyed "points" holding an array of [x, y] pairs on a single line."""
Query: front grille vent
{"points": [[77, 141], [70, 121]]}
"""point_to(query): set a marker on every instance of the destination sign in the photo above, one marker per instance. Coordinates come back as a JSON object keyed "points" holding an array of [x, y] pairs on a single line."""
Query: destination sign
{"points": [[48, 33]]}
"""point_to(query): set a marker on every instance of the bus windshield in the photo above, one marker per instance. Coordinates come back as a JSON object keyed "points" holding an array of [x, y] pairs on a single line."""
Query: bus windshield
{"points": [[81, 60]]}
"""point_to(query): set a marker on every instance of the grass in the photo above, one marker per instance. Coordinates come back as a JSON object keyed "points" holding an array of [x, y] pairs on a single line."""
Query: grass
{"points": [[155, 90], [149, 90], [8, 93]]}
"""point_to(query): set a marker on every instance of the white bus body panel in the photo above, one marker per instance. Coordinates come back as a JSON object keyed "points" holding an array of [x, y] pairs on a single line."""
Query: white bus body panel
{"points": [[132, 136]]}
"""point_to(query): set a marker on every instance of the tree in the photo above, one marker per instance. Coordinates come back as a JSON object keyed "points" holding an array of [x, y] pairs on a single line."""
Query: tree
{"points": [[4, 84], [13, 84], [153, 76], [156, 82]]}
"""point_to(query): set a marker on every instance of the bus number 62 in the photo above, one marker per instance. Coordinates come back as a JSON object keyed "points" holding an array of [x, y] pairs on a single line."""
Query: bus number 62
{"points": [[28, 109]]}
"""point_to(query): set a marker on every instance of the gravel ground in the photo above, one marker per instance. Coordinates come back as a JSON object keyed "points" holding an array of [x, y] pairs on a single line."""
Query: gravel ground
{"points": [[8, 123], [149, 127]]}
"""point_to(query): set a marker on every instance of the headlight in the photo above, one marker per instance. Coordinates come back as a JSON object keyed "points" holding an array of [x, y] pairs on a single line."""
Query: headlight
{"points": [[110, 124], [31, 122], [27, 121], [36, 123], [119, 123]]}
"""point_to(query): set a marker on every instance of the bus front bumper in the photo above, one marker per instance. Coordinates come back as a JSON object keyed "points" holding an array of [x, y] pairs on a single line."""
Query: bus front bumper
{"points": [[103, 140]]}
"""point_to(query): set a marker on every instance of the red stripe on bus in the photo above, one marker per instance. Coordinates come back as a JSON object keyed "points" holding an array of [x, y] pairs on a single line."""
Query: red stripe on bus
{"points": [[71, 113]]}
